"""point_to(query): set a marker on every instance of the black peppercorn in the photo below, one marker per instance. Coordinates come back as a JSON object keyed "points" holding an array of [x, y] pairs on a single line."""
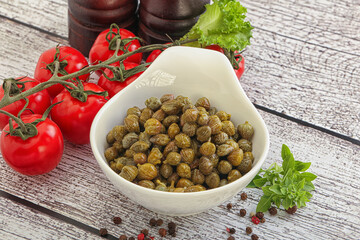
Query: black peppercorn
{"points": [[232, 230], [171, 225], [229, 206], [273, 211], [248, 230], [162, 232], [117, 220], [103, 232], [291, 210], [242, 212], [231, 238], [152, 222], [262, 220], [254, 237], [243, 196], [260, 215], [145, 232], [131, 238], [159, 222], [123, 237]]}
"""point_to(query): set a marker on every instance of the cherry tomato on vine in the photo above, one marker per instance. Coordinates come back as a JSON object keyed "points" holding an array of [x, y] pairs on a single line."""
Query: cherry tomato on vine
{"points": [[102, 50], [113, 87], [71, 60], [75, 117], [38, 102], [241, 68], [153, 55], [36, 155]]}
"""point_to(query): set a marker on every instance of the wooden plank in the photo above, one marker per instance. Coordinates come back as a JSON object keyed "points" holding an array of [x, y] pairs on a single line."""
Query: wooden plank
{"points": [[21, 222], [319, 80], [78, 189]]}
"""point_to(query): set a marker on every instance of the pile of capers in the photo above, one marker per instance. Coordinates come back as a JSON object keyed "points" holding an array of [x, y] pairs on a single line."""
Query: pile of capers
{"points": [[173, 145]]}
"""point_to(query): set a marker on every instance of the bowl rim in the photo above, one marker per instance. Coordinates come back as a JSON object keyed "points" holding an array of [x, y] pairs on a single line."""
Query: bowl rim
{"points": [[105, 166]]}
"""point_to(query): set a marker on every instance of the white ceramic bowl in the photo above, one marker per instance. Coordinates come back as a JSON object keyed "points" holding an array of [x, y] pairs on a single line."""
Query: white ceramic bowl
{"points": [[194, 73]]}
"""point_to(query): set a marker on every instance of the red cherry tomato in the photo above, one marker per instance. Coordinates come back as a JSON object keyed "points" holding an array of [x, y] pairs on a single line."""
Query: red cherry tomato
{"points": [[75, 117], [153, 55], [38, 102], [241, 68], [100, 50], [72, 59], [113, 87], [36, 155]]}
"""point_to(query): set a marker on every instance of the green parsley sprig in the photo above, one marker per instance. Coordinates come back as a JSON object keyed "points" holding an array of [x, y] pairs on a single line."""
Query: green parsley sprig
{"points": [[287, 185]]}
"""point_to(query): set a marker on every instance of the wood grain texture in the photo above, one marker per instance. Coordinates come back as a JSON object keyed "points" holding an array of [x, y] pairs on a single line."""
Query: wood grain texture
{"points": [[303, 60], [20, 222], [78, 189]]}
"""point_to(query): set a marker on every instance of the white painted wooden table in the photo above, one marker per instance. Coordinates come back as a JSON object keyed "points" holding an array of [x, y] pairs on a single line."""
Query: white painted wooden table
{"points": [[303, 75]]}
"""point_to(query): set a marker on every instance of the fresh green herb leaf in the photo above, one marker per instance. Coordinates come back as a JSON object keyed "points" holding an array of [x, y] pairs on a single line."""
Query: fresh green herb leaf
{"points": [[252, 184], [223, 23], [264, 203], [287, 185]]}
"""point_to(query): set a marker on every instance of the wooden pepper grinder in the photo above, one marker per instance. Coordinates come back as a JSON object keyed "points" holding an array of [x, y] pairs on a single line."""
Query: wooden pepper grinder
{"points": [[159, 18], [88, 18]]}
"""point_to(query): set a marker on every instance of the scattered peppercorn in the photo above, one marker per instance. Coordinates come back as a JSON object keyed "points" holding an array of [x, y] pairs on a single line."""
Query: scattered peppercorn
{"points": [[273, 211], [173, 234], [291, 210], [171, 225], [229, 206], [123, 237], [145, 232], [254, 237], [255, 220], [162, 232], [171, 231], [248, 230], [117, 220], [242, 212], [153, 222], [260, 215], [159, 222], [141, 236], [232, 230], [103, 232], [131, 238], [243, 196], [231, 238], [262, 220]]}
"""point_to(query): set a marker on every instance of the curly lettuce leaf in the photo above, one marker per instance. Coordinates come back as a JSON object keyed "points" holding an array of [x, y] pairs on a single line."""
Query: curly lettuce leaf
{"points": [[223, 23]]}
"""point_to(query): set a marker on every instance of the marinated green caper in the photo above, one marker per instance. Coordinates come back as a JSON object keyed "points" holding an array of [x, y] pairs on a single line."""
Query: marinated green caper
{"points": [[214, 159], [187, 155], [223, 115], [245, 165], [195, 188], [184, 183], [134, 110], [197, 177], [215, 124], [131, 123], [147, 171], [129, 172], [173, 158], [173, 130], [203, 102], [223, 182], [146, 114], [118, 146], [224, 149], [170, 120], [233, 175], [203, 133], [207, 149], [166, 170], [110, 139], [232, 143], [189, 129], [174, 178], [212, 111], [153, 103], [147, 184], [140, 146], [203, 118], [235, 157], [228, 128], [205, 165], [171, 107], [159, 115], [155, 156], [119, 132], [224, 167], [160, 139], [160, 186], [170, 147], [246, 130], [245, 145], [166, 97], [190, 115], [249, 155], [220, 138], [183, 170], [129, 139], [153, 126], [182, 140], [140, 158], [111, 153], [212, 180]]}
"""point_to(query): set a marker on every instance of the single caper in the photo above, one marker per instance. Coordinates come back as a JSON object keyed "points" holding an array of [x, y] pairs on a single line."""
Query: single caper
{"points": [[147, 184], [166, 97], [173, 130], [166, 170], [203, 102], [223, 182], [223, 115], [235, 157], [197, 177], [118, 146], [160, 139], [184, 183], [170, 147], [203, 118], [215, 124], [153, 126], [129, 139], [174, 178], [153, 103], [228, 127], [245, 145], [182, 140], [232, 143], [187, 155], [224, 149], [203, 133], [205, 165], [119, 132], [140, 146], [170, 120], [183, 170], [246, 130], [134, 110], [245, 165], [207, 149], [233, 175], [171, 107], [129, 172], [212, 180], [220, 138], [249, 155], [131, 123], [110, 153], [147, 171], [173, 158], [155, 156], [224, 167], [214, 159], [146, 114], [110, 139], [212, 111], [190, 115], [140, 158], [160, 186]]}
